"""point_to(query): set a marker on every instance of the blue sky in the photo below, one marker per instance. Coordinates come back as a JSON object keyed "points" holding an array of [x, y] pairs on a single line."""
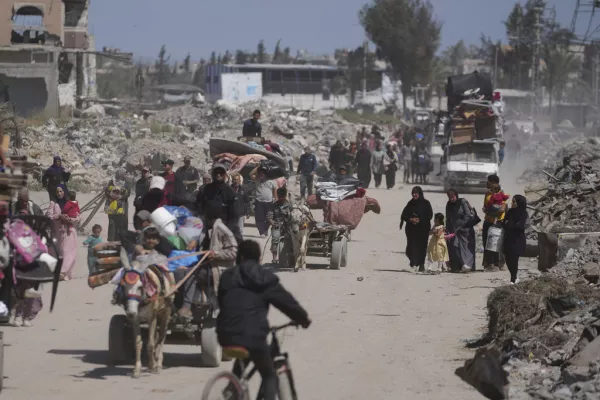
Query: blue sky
{"points": [[319, 26]]}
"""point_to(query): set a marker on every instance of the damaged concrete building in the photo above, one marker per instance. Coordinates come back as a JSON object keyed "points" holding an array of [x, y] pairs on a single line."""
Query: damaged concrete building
{"points": [[47, 57]]}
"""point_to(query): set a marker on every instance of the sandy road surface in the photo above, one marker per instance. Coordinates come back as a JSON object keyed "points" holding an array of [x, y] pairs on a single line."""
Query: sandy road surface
{"points": [[393, 335]]}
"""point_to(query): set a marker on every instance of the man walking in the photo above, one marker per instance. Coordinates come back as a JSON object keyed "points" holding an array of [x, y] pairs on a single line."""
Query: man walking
{"points": [[307, 167], [252, 127], [189, 176]]}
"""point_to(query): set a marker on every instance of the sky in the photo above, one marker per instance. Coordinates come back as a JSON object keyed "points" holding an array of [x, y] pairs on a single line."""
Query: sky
{"points": [[320, 26]]}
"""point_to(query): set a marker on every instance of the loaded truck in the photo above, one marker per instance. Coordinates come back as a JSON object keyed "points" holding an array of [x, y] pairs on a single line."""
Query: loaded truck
{"points": [[473, 133]]}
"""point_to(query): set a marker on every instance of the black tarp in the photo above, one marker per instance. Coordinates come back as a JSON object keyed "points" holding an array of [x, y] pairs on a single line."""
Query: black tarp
{"points": [[458, 84]]}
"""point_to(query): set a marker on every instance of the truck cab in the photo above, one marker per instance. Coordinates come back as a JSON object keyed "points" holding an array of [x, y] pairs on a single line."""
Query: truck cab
{"points": [[466, 166]]}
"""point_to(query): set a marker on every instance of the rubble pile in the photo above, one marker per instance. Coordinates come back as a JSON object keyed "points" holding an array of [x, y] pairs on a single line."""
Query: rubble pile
{"points": [[545, 330], [96, 145], [548, 154]]}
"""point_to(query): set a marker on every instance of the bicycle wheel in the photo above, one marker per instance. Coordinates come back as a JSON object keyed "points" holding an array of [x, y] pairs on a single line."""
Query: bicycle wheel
{"points": [[224, 386]]}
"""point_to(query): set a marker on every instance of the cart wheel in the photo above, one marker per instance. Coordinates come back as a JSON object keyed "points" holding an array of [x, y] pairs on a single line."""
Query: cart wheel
{"points": [[344, 262], [120, 341], [211, 350], [1, 361], [336, 254]]}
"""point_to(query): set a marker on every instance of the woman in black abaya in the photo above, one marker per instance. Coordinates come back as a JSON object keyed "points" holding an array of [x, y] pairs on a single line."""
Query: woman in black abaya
{"points": [[417, 215]]}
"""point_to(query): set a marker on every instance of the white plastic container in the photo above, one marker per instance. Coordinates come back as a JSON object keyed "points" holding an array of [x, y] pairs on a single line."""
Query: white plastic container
{"points": [[494, 239], [164, 221]]}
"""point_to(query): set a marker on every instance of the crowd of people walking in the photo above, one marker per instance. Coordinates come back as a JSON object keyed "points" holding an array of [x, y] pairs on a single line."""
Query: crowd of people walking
{"points": [[371, 157]]}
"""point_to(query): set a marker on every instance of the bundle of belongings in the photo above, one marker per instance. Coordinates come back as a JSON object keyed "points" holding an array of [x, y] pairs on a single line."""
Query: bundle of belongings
{"points": [[178, 229], [236, 163], [342, 204], [28, 254], [331, 191]]}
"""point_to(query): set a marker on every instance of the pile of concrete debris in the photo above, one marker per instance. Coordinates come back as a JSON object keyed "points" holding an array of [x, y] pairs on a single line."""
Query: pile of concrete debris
{"points": [[97, 144], [545, 334], [547, 155]]}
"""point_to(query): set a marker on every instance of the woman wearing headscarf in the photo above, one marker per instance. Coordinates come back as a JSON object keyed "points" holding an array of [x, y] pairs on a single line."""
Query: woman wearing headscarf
{"points": [[54, 176], [417, 215], [514, 235], [363, 164], [66, 228], [460, 221], [377, 163], [390, 164]]}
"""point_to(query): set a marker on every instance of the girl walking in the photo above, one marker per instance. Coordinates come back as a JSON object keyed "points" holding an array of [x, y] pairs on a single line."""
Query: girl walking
{"points": [[437, 250]]}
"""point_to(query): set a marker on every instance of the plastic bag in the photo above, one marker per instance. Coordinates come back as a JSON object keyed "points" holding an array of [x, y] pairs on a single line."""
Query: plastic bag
{"points": [[189, 233], [182, 262], [272, 169], [177, 242], [181, 213]]}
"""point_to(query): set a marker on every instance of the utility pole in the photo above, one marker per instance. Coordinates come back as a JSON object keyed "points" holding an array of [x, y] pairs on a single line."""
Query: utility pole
{"points": [[596, 76], [535, 61], [364, 80], [496, 66]]}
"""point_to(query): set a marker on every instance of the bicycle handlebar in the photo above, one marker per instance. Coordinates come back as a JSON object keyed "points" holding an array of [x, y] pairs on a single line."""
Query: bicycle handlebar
{"points": [[280, 327]]}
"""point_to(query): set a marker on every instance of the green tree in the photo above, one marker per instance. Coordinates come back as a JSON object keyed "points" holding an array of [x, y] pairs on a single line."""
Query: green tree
{"points": [[226, 57], [287, 56], [187, 63], [277, 56], [454, 56], [241, 57], [354, 63], [198, 79], [219, 59], [261, 53], [406, 35], [162, 66], [213, 58]]}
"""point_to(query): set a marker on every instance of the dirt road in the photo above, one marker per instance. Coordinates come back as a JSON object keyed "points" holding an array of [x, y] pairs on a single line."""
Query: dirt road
{"points": [[392, 335]]}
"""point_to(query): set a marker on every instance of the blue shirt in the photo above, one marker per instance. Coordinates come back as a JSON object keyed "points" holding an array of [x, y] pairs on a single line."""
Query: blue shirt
{"points": [[308, 164]]}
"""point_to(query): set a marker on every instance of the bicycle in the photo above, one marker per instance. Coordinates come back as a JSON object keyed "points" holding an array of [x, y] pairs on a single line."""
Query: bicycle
{"points": [[238, 388]]}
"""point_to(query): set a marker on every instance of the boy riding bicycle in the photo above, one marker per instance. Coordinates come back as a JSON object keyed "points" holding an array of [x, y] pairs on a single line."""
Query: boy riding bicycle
{"points": [[244, 295]]}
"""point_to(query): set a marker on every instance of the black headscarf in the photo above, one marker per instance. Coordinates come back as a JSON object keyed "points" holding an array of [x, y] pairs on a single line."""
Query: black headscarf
{"points": [[515, 214], [419, 207]]}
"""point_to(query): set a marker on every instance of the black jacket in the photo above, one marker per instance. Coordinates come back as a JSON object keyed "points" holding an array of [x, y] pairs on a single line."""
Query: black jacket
{"points": [[141, 188], [219, 191], [251, 128], [245, 293], [514, 223], [222, 192]]}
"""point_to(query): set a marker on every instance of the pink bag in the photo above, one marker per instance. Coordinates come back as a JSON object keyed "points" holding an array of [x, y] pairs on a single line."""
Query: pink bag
{"points": [[25, 242]]}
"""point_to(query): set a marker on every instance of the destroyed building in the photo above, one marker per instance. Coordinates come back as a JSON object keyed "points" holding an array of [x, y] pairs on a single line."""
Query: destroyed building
{"points": [[47, 56]]}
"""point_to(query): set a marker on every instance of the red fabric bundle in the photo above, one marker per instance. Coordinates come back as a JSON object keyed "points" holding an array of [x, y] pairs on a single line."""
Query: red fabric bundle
{"points": [[346, 212]]}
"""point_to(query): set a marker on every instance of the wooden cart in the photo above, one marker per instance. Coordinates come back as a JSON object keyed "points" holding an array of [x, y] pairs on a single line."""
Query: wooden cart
{"points": [[329, 241]]}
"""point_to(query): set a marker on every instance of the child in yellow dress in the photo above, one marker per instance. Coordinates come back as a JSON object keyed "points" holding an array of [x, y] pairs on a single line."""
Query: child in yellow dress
{"points": [[437, 250]]}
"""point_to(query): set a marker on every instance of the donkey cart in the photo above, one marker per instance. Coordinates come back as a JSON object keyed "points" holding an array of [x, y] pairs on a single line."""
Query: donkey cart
{"points": [[201, 330]]}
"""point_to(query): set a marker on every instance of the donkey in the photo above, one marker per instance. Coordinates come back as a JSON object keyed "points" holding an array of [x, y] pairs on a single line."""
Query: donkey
{"points": [[154, 307], [300, 229]]}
